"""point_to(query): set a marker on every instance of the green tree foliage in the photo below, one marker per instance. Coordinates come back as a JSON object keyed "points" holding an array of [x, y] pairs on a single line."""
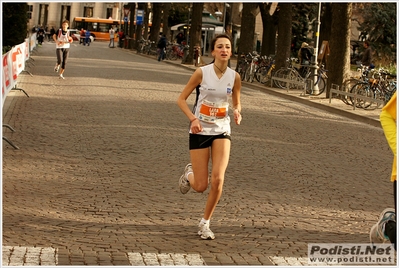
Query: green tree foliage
{"points": [[302, 15], [14, 23], [178, 13], [380, 26]]}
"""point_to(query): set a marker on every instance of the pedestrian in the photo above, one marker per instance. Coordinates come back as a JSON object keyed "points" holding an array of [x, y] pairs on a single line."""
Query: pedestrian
{"points": [[111, 37], [48, 34], [367, 55], [180, 38], [209, 131], [82, 36], [305, 56], [121, 36], [63, 42], [52, 31], [161, 46], [385, 229], [87, 38], [40, 35]]}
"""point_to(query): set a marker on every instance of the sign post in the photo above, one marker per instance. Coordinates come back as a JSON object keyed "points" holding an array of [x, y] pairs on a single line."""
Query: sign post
{"points": [[126, 12]]}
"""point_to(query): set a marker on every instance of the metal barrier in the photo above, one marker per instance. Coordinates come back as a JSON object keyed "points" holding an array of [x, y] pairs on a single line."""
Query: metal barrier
{"points": [[335, 89], [300, 83]]}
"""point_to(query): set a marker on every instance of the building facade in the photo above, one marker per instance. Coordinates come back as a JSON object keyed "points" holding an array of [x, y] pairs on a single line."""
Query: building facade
{"points": [[51, 14]]}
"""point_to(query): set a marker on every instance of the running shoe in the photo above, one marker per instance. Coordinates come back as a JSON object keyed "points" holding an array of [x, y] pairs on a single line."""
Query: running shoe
{"points": [[377, 232], [205, 232], [56, 68], [61, 76], [184, 184]]}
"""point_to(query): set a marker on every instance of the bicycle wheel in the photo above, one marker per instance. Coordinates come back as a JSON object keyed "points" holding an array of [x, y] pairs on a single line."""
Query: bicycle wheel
{"points": [[311, 83], [378, 94], [361, 89], [243, 71], [171, 55], [261, 74], [346, 87], [281, 73], [249, 74], [289, 75]]}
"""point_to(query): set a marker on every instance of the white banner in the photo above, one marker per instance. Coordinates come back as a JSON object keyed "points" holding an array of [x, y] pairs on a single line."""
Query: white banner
{"points": [[8, 82], [13, 63], [18, 60]]}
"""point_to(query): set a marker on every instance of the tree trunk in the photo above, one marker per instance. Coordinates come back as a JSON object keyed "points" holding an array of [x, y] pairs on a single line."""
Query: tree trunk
{"points": [[156, 21], [139, 28], [146, 21], [165, 21], [247, 43], [269, 31], [195, 31], [338, 63], [131, 43], [325, 23], [284, 35]]}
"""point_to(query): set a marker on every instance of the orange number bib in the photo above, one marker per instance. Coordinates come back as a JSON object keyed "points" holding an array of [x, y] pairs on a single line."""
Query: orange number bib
{"points": [[211, 112]]}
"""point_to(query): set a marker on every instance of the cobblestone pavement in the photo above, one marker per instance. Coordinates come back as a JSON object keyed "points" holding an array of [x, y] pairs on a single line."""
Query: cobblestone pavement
{"points": [[95, 179]]}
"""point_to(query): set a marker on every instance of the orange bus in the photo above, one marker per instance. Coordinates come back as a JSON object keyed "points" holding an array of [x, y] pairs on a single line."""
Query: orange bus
{"points": [[99, 28]]}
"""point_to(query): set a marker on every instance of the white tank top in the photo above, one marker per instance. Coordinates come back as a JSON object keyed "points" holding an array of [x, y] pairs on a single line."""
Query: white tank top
{"points": [[63, 38], [212, 105]]}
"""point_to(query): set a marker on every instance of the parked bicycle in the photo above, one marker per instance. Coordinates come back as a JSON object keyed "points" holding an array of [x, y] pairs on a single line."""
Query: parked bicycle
{"points": [[313, 84], [143, 45], [264, 73], [243, 64], [377, 84], [253, 63]]}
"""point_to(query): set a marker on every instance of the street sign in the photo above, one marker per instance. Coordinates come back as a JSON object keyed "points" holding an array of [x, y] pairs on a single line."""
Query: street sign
{"points": [[126, 12], [139, 16]]}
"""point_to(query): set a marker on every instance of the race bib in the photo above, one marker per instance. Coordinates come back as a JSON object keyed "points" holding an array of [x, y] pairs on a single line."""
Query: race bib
{"points": [[211, 112]]}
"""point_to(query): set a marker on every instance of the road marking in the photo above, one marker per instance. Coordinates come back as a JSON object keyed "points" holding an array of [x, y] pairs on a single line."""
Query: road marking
{"points": [[29, 256], [47, 256], [165, 259]]}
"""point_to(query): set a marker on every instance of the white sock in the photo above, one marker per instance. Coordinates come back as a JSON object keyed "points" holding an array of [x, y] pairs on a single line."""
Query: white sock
{"points": [[205, 221], [188, 173]]}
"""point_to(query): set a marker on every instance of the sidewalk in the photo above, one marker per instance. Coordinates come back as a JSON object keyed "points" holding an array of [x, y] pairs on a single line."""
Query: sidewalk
{"points": [[336, 106]]}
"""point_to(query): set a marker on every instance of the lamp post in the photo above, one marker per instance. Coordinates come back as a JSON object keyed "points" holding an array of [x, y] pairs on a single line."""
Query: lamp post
{"points": [[218, 14], [314, 86]]}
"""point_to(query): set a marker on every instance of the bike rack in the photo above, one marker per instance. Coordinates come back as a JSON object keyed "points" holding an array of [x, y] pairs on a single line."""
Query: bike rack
{"points": [[335, 89], [284, 78]]}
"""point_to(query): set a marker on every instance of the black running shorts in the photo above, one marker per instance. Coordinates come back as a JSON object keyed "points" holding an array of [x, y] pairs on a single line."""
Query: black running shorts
{"points": [[204, 141]]}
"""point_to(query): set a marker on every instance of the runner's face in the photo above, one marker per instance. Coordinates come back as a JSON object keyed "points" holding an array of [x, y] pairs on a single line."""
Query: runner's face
{"points": [[65, 26], [222, 49]]}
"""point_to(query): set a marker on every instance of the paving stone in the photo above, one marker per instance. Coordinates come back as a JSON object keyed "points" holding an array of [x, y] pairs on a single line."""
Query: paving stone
{"points": [[101, 153]]}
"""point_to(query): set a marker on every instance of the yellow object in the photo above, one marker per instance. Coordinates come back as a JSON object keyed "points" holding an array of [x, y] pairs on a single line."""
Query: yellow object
{"points": [[388, 123]]}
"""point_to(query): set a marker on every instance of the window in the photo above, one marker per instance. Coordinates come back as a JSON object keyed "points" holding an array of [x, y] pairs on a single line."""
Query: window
{"points": [[109, 13], [88, 12]]}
